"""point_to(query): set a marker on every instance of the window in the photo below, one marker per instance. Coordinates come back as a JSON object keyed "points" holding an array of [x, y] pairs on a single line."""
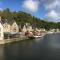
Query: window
{"points": [[14, 30]]}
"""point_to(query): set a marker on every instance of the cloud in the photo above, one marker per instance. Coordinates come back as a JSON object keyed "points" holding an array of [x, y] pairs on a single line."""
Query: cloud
{"points": [[52, 5], [1, 9], [52, 8], [52, 16], [31, 5]]}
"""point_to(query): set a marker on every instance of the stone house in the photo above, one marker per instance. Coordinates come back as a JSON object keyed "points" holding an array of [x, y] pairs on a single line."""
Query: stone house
{"points": [[1, 30], [14, 27], [24, 29], [27, 27], [9, 26], [6, 27]]}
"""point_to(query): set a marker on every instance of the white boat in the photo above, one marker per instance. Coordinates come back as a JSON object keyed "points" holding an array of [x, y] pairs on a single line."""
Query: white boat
{"points": [[38, 36], [50, 32]]}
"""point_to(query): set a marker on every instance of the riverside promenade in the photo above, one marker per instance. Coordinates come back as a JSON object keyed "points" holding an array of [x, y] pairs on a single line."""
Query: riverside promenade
{"points": [[21, 37], [13, 40]]}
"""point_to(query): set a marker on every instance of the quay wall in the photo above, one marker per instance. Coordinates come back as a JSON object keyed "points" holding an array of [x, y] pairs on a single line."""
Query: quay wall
{"points": [[13, 40]]}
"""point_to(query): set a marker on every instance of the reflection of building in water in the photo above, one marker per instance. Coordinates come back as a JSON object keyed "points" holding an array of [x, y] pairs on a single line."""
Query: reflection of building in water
{"points": [[2, 55], [18, 50], [11, 51]]}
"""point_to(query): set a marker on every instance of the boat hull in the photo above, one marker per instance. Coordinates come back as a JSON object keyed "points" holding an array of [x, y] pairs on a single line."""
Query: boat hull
{"points": [[31, 37], [38, 36]]}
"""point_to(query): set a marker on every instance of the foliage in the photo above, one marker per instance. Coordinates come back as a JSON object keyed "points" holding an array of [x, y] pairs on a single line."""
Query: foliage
{"points": [[22, 17]]}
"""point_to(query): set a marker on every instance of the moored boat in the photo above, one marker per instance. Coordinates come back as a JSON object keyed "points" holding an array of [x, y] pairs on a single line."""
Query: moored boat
{"points": [[37, 36], [33, 35]]}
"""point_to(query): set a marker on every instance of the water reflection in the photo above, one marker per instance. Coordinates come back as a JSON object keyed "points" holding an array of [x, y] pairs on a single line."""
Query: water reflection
{"points": [[19, 50], [43, 48], [2, 55], [52, 40]]}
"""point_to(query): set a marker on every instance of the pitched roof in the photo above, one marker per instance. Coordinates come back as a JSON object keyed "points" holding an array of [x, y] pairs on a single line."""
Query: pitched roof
{"points": [[2, 21], [7, 21], [11, 21]]}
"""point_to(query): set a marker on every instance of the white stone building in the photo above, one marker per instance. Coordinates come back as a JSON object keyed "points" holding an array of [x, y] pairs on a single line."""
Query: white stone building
{"points": [[1, 31], [24, 28], [14, 28]]}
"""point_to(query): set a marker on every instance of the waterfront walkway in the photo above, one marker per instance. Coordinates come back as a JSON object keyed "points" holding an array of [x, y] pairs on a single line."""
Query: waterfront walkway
{"points": [[13, 40]]}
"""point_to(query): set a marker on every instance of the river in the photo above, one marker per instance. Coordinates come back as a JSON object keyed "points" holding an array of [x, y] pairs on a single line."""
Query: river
{"points": [[45, 48]]}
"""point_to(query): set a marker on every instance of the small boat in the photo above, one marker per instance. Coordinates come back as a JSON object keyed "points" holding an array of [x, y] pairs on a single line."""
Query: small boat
{"points": [[50, 32], [34, 35], [31, 37], [37, 36]]}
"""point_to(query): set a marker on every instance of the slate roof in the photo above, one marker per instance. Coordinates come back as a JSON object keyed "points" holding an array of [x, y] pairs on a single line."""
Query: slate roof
{"points": [[7, 21]]}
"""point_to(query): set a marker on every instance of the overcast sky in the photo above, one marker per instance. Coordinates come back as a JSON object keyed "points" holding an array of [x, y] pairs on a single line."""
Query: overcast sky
{"points": [[45, 9]]}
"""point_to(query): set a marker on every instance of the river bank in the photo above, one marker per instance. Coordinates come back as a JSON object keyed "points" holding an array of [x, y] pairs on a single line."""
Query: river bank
{"points": [[50, 32], [21, 38], [45, 48], [13, 40]]}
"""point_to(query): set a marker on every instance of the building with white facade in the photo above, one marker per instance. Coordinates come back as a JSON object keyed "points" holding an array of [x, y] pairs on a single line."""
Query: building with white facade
{"points": [[1, 31]]}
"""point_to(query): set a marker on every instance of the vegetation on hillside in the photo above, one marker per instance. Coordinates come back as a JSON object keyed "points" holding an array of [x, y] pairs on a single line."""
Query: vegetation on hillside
{"points": [[23, 17]]}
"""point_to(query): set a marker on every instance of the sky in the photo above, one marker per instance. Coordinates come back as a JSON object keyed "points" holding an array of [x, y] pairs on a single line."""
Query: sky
{"points": [[48, 10]]}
